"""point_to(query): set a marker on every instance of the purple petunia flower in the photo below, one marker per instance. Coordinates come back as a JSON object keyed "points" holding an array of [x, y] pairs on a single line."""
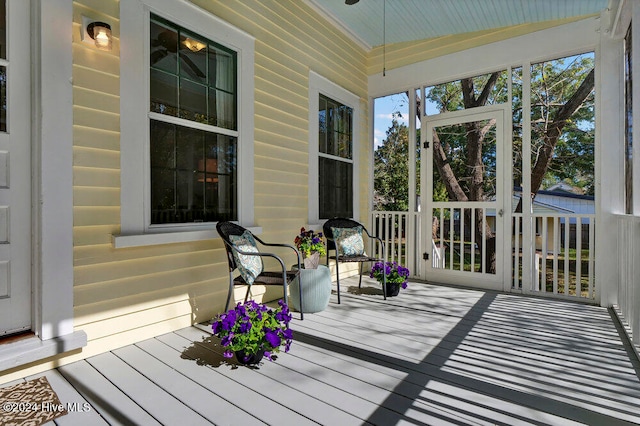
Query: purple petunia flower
{"points": [[287, 334], [239, 329], [272, 338], [227, 340], [217, 327], [228, 320], [245, 327]]}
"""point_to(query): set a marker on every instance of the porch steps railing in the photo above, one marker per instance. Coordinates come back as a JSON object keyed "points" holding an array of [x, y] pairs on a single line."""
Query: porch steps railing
{"points": [[558, 268]]}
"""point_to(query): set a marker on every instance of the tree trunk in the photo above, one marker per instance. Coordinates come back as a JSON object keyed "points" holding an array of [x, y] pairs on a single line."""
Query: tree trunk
{"points": [[444, 169], [554, 130], [475, 137]]}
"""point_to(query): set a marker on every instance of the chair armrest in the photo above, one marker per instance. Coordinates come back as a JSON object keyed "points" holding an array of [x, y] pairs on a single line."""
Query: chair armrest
{"points": [[281, 245], [261, 254], [374, 237], [265, 254]]}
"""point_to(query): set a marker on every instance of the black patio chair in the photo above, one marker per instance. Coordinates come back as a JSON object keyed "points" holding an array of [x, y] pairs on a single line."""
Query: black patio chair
{"points": [[229, 232], [342, 223]]}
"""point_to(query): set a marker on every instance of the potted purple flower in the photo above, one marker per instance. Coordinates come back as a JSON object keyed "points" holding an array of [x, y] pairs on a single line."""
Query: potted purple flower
{"points": [[253, 330], [397, 276], [311, 245]]}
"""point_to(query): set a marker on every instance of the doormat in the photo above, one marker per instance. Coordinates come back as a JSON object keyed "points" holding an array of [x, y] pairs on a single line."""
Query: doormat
{"points": [[31, 403]]}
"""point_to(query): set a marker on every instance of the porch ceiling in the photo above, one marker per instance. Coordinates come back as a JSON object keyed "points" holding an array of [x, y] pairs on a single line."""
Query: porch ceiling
{"points": [[408, 20]]}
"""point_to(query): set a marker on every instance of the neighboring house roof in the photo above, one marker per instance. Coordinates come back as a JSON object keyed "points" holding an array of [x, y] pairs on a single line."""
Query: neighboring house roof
{"points": [[559, 193], [540, 207]]}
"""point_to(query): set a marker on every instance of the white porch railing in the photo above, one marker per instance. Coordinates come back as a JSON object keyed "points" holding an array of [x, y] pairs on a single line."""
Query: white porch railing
{"points": [[400, 233], [629, 283], [563, 258], [557, 266]]}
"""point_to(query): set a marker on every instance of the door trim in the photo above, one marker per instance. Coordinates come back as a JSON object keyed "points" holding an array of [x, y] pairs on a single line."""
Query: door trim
{"points": [[52, 189], [502, 114], [53, 168]]}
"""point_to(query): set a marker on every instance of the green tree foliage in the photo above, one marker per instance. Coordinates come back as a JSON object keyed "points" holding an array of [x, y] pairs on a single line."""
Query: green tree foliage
{"points": [[562, 121], [391, 169], [562, 111]]}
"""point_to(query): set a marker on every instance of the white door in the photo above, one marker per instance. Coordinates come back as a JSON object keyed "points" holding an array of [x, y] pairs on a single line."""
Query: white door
{"points": [[464, 233], [15, 167]]}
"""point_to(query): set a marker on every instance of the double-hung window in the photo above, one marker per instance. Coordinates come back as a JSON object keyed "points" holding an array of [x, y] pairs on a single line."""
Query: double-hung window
{"points": [[333, 150], [186, 119], [335, 158], [192, 126]]}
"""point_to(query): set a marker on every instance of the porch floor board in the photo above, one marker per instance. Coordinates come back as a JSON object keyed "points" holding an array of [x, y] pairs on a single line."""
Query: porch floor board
{"points": [[433, 355]]}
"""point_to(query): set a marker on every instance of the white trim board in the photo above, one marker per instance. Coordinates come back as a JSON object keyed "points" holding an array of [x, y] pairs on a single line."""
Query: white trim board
{"points": [[53, 136], [134, 112], [319, 84], [52, 141], [564, 40]]}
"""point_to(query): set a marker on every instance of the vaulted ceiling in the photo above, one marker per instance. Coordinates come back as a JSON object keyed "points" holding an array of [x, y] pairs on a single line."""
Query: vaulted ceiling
{"points": [[374, 22]]}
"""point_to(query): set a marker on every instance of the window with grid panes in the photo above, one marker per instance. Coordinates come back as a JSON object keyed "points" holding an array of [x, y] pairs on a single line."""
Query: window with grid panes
{"points": [[335, 157], [193, 127]]}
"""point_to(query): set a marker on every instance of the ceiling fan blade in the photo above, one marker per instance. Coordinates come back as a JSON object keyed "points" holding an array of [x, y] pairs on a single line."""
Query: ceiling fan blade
{"points": [[350, 2]]}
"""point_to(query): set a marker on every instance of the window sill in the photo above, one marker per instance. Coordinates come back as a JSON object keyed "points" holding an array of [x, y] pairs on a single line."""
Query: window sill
{"points": [[33, 349], [152, 239], [317, 227]]}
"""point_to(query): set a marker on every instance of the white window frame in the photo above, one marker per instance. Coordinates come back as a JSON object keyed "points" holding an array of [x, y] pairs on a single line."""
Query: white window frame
{"points": [[321, 85], [136, 229]]}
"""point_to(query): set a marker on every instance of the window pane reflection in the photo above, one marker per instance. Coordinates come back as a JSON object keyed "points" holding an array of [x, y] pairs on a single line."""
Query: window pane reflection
{"points": [[193, 175], [336, 188], [192, 77]]}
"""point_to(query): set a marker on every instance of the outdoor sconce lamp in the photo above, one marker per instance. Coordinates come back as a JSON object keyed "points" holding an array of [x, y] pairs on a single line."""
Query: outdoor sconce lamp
{"points": [[100, 32]]}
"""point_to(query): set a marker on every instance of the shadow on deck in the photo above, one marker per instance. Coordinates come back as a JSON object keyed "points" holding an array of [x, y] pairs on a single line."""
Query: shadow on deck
{"points": [[432, 355]]}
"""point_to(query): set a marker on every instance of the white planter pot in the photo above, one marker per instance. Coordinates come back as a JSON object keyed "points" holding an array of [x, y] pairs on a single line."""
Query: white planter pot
{"points": [[316, 290]]}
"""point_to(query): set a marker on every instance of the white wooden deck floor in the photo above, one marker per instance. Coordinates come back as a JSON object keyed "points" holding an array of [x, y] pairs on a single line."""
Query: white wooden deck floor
{"points": [[433, 355]]}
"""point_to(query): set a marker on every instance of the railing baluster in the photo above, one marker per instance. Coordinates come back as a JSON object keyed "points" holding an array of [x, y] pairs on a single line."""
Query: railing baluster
{"points": [[516, 251], [543, 268], [578, 256], [592, 238], [473, 239], [484, 242], [451, 229], [556, 249], [567, 280], [462, 237], [443, 251]]}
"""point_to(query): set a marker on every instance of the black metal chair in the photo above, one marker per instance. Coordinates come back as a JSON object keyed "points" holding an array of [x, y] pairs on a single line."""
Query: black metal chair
{"points": [[337, 223], [281, 278]]}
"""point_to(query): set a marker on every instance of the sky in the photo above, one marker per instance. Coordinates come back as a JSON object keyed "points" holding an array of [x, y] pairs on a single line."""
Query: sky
{"points": [[383, 110]]}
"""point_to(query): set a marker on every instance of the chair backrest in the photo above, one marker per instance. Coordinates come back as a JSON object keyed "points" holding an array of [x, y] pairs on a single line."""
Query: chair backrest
{"points": [[225, 230], [338, 222]]}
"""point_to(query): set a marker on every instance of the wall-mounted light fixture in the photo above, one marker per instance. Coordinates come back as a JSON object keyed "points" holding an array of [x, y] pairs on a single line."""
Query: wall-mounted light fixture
{"points": [[100, 32], [97, 33]]}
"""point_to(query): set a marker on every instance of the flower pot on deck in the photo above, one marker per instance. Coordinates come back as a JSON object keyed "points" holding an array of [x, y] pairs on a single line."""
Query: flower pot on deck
{"points": [[316, 290]]}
